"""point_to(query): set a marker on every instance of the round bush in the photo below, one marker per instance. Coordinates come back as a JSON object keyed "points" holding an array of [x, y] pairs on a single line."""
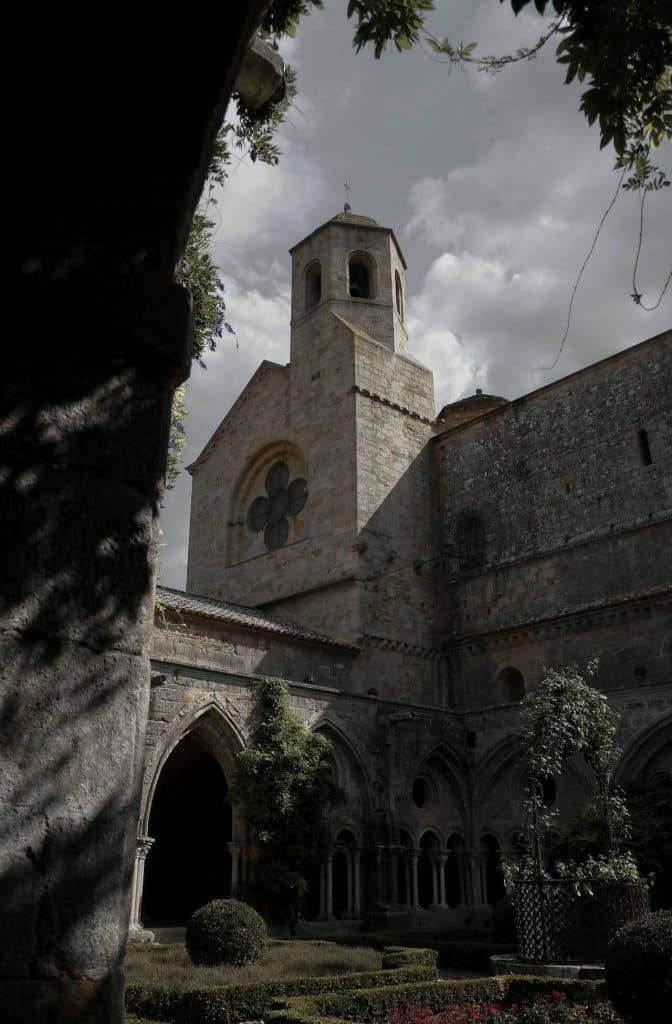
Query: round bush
{"points": [[225, 932], [639, 969]]}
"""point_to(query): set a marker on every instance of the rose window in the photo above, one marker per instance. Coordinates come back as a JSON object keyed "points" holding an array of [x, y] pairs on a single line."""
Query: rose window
{"points": [[283, 499]]}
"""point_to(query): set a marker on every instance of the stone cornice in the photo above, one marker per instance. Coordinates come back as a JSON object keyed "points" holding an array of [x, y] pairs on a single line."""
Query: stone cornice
{"points": [[389, 644], [373, 397], [587, 616]]}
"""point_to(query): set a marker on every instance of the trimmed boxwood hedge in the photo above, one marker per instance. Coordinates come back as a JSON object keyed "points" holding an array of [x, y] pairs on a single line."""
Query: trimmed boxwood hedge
{"points": [[465, 954], [227, 1004], [225, 932], [639, 968], [130, 1018], [373, 1006]]}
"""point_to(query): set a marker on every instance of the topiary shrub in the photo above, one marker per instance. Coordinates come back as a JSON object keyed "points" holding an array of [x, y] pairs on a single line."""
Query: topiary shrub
{"points": [[639, 969], [225, 932]]}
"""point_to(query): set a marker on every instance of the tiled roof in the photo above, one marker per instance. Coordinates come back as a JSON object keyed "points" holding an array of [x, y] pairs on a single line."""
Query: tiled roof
{"points": [[355, 218], [472, 401], [240, 615]]}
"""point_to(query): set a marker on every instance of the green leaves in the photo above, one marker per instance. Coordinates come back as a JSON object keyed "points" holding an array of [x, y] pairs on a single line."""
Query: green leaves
{"points": [[382, 21], [285, 784], [563, 717]]}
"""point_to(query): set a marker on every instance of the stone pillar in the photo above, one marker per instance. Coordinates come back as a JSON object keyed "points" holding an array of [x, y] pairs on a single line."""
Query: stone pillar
{"points": [[323, 889], [407, 869], [357, 900], [100, 339], [380, 881], [350, 901], [330, 884], [442, 860], [394, 876], [234, 850], [143, 847], [415, 899]]}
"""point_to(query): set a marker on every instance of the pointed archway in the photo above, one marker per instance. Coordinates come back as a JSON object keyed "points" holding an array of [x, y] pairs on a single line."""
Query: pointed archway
{"points": [[191, 823]]}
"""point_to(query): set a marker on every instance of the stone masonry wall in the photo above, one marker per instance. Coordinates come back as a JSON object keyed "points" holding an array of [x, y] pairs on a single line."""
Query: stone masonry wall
{"points": [[573, 522]]}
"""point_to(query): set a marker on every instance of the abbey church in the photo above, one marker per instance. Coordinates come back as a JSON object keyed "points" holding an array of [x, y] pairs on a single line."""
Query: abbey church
{"points": [[407, 572]]}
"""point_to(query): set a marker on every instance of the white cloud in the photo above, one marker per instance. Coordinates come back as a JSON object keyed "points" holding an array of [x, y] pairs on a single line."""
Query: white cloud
{"points": [[512, 228]]}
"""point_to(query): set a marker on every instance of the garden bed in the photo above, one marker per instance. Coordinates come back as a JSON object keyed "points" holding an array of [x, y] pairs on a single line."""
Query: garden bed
{"points": [[170, 964], [190, 999], [452, 1002], [461, 950]]}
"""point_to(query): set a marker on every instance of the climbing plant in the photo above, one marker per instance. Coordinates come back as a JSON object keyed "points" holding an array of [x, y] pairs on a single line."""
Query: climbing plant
{"points": [[566, 715], [285, 785]]}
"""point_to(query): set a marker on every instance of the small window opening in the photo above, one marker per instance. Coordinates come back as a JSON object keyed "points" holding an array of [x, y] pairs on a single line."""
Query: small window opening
{"points": [[512, 684], [419, 793], [644, 448], [471, 542], [399, 295], [640, 674], [359, 277], [313, 284]]}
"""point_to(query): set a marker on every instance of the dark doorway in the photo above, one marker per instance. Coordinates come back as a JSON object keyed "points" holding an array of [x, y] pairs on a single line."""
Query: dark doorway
{"points": [[495, 888], [340, 883], [311, 907], [453, 887], [190, 822], [425, 880]]}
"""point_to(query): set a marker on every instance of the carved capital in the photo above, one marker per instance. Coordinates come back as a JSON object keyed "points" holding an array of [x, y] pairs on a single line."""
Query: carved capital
{"points": [[145, 843]]}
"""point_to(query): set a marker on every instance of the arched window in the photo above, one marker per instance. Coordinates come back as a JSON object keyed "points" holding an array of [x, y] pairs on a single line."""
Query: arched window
{"points": [[512, 685], [399, 295], [471, 541], [312, 284], [361, 284], [644, 447]]}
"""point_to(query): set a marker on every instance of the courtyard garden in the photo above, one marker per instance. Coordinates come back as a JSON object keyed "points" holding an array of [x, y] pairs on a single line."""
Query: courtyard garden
{"points": [[589, 908]]}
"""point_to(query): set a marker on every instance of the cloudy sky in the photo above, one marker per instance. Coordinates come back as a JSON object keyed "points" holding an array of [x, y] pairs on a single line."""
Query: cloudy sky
{"points": [[494, 187]]}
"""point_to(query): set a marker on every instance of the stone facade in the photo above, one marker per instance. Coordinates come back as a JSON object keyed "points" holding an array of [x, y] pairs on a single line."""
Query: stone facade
{"points": [[408, 575]]}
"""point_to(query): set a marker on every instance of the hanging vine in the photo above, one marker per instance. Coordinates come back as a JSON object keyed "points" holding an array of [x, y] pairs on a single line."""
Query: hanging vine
{"points": [[566, 715]]}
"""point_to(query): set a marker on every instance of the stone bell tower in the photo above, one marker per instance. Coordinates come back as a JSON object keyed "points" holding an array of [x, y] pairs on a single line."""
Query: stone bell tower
{"points": [[312, 499], [352, 267]]}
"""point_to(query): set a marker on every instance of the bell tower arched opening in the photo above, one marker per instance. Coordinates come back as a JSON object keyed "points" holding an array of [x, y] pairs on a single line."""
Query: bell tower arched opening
{"points": [[191, 824], [312, 284], [361, 276]]}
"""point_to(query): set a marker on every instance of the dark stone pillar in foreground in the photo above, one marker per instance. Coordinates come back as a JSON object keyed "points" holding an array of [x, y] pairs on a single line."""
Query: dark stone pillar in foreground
{"points": [[104, 162], [81, 490]]}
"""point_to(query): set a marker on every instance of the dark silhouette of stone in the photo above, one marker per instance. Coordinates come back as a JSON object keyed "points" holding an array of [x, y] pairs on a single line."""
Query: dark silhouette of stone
{"points": [[108, 138]]}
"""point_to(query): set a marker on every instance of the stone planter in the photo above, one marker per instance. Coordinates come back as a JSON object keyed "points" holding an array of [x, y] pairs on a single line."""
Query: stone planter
{"points": [[558, 921]]}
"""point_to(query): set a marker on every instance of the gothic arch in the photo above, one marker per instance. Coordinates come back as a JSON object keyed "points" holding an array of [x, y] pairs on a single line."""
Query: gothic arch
{"points": [[491, 766], [445, 769], [347, 825], [351, 772], [431, 831], [219, 733], [652, 744]]}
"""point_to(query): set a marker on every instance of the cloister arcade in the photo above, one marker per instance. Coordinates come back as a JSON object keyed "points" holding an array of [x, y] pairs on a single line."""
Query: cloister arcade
{"points": [[437, 857]]}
